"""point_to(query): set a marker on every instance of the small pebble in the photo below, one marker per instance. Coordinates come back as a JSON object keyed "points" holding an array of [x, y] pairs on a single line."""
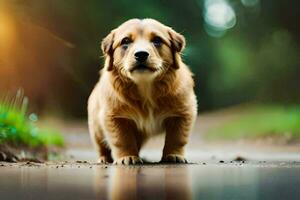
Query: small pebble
{"points": [[221, 161], [204, 163], [239, 159]]}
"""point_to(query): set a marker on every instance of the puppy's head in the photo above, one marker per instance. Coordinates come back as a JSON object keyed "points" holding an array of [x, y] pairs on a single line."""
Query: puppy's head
{"points": [[142, 49]]}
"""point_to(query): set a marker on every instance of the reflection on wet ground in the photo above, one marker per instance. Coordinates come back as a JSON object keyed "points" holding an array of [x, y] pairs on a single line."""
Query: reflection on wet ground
{"points": [[193, 181], [264, 174]]}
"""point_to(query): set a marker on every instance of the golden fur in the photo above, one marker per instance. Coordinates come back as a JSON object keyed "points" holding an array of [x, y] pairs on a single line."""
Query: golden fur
{"points": [[127, 107]]}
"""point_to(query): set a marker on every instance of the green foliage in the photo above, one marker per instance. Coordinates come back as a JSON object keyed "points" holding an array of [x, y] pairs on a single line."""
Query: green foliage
{"points": [[261, 121], [17, 129]]}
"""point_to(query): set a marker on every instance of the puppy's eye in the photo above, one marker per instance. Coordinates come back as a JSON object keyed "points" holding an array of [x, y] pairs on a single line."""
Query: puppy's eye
{"points": [[126, 41], [157, 41]]}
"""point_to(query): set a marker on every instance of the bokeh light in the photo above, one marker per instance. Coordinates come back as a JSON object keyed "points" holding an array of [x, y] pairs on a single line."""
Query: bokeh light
{"points": [[219, 16], [33, 117]]}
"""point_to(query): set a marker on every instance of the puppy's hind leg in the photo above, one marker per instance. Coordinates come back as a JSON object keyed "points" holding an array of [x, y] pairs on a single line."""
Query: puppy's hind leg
{"points": [[103, 150]]}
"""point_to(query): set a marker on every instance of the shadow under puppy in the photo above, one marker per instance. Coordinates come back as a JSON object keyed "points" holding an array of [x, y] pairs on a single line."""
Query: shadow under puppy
{"points": [[145, 89]]}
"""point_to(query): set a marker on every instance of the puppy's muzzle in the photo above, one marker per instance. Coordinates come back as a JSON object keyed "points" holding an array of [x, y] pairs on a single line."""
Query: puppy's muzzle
{"points": [[141, 62]]}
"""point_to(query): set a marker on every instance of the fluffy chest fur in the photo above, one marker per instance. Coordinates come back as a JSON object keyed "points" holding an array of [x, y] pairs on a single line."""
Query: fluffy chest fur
{"points": [[147, 117], [151, 124]]}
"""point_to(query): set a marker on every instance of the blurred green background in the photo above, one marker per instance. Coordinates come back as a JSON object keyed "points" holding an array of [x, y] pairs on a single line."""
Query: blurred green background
{"points": [[239, 50]]}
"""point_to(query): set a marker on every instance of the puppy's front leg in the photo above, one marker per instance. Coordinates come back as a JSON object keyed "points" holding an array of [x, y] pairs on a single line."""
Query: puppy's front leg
{"points": [[177, 133], [122, 134]]}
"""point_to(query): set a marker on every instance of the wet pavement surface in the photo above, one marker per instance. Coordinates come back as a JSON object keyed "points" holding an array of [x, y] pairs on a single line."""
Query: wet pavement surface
{"points": [[216, 171], [84, 180]]}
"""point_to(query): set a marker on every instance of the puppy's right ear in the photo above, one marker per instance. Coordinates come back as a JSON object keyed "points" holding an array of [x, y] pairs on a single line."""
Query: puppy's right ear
{"points": [[107, 50]]}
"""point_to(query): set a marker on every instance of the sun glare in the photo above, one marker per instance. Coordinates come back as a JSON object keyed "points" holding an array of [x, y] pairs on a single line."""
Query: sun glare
{"points": [[6, 30]]}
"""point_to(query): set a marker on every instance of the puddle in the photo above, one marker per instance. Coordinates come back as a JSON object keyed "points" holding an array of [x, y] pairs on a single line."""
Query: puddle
{"points": [[210, 181]]}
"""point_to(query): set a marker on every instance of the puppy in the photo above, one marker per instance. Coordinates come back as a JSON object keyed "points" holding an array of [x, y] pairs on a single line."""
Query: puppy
{"points": [[145, 89]]}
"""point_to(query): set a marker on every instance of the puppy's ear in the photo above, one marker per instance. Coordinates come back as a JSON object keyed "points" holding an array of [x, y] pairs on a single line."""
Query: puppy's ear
{"points": [[177, 41], [107, 50], [177, 45]]}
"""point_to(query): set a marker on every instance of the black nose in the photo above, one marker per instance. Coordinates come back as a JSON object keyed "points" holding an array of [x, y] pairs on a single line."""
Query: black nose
{"points": [[141, 56]]}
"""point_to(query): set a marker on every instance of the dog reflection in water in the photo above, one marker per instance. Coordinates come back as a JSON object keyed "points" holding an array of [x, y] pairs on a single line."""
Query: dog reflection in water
{"points": [[119, 183]]}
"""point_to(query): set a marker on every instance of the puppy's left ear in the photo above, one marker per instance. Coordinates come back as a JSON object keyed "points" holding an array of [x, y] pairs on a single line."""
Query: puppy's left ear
{"points": [[177, 45], [177, 40]]}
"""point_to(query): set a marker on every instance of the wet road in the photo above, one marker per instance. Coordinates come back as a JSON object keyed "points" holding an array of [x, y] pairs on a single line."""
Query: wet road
{"points": [[268, 173], [236, 180]]}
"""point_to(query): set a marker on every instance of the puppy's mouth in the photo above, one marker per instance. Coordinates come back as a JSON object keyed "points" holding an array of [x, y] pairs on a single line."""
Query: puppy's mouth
{"points": [[142, 68]]}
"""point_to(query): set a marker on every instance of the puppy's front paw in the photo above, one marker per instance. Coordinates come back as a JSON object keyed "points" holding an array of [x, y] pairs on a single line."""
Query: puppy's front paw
{"points": [[104, 160], [173, 158], [128, 160]]}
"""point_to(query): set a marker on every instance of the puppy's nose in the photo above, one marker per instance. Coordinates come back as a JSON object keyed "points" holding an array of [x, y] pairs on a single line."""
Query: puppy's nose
{"points": [[141, 56]]}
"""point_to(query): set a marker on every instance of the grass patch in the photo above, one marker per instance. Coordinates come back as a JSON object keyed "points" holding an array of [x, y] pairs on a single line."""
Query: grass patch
{"points": [[260, 121], [18, 128]]}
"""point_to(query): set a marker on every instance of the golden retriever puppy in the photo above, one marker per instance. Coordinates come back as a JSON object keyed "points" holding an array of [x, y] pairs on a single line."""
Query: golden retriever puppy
{"points": [[145, 89]]}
